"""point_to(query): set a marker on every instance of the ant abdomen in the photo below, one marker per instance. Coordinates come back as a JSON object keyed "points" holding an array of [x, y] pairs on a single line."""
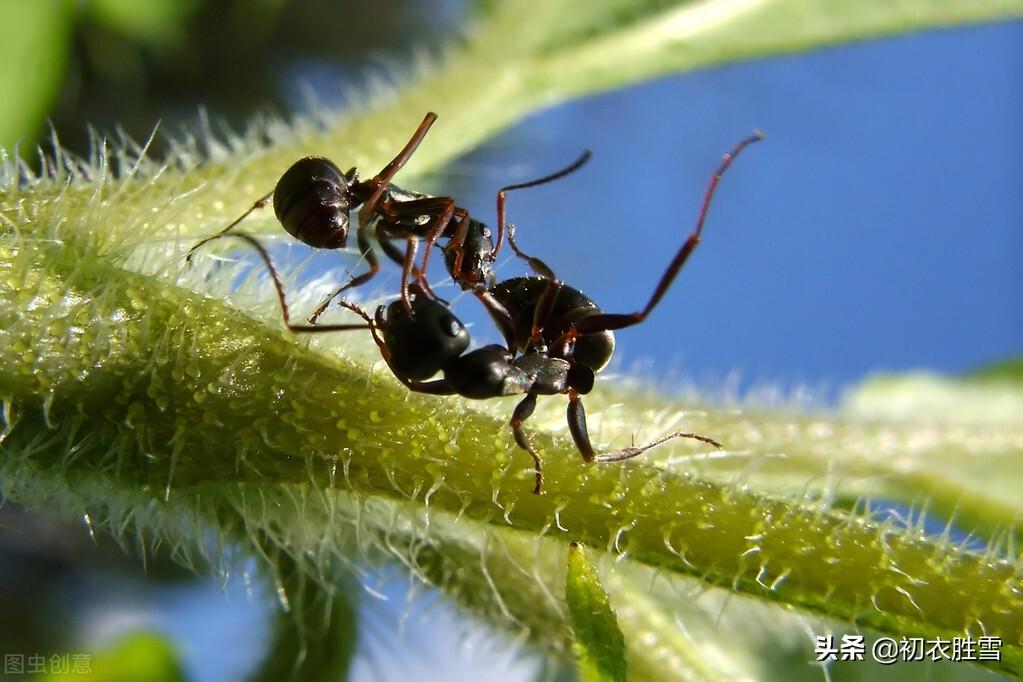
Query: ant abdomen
{"points": [[312, 203]]}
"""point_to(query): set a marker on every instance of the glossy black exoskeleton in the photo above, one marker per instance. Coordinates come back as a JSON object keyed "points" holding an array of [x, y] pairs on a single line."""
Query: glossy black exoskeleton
{"points": [[417, 345], [556, 341], [313, 201], [514, 304]]}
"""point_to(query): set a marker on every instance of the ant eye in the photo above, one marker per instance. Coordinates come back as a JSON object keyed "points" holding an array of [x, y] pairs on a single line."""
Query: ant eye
{"points": [[422, 220], [451, 326]]}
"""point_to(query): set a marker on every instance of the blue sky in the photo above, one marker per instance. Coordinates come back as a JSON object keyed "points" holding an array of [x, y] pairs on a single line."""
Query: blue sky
{"points": [[878, 228]]}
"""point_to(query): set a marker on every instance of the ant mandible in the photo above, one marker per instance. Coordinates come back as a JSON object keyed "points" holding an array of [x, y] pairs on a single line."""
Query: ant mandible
{"points": [[313, 201], [557, 340]]}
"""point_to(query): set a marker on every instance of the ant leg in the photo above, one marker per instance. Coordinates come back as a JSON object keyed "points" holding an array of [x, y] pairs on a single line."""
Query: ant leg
{"points": [[411, 245], [545, 304], [280, 291], [501, 198], [358, 310], [402, 259], [374, 267], [435, 387], [442, 210], [523, 411], [581, 436], [390, 250], [402, 218], [436, 231], [382, 179], [398, 257], [457, 244], [537, 265], [606, 322], [501, 317], [260, 203]]}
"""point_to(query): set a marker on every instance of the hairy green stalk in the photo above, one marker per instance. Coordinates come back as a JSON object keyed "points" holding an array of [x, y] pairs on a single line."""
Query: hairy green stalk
{"points": [[142, 398]]}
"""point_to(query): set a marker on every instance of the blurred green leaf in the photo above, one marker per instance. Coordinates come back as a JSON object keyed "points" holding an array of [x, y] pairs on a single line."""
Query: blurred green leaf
{"points": [[160, 23], [33, 58], [139, 657], [315, 630], [1008, 371], [598, 639]]}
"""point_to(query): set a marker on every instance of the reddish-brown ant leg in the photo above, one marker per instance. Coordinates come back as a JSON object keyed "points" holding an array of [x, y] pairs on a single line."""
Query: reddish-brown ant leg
{"points": [[399, 258], [537, 265], [456, 243], [279, 287], [523, 411], [373, 326], [610, 322], [411, 246], [366, 247], [383, 179], [434, 232], [545, 304]]}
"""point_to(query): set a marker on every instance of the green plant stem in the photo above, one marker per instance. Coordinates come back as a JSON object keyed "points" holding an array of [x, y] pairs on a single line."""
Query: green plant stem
{"points": [[182, 392]]}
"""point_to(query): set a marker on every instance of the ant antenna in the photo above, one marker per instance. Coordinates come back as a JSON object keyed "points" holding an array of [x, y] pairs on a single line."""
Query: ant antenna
{"points": [[716, 178], [532, 183], [260, 203], [279, 287]]}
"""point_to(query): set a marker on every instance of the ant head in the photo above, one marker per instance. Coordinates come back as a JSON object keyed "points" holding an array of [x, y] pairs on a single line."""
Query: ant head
{"points": [[477, 256], [312, 201], [486, 372], [422, 342]]}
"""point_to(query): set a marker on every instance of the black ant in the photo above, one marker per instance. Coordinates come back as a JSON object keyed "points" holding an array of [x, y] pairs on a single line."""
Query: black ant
{"points": [[430, 339], [313, 201], [557, 340]]}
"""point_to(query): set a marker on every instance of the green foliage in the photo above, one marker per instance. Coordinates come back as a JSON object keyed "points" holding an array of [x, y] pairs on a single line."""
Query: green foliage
{"points": [[1008, 371], [598, 641], [140, 393], [315, 632], [32, 63], [141, 657], [156, 22]]}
